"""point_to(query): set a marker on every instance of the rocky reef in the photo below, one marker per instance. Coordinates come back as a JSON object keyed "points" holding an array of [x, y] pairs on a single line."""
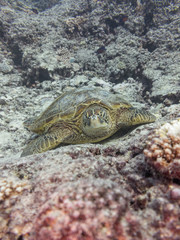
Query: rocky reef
{"points": [[87, 192], [124, 188]]}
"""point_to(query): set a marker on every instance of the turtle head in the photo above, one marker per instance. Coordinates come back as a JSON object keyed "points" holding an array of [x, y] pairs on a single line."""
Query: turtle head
{"points": [[30, 124], [96, 121]]}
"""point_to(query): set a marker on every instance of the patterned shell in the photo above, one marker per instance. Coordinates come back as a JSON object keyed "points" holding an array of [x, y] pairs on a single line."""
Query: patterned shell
{"points": [[70, 103]]}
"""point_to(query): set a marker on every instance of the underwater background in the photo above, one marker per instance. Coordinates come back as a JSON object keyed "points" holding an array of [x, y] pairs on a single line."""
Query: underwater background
{"points": [[125, 188]]}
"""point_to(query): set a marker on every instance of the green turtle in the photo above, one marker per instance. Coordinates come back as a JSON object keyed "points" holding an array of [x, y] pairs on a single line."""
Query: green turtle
{"points": [[84, 115]]}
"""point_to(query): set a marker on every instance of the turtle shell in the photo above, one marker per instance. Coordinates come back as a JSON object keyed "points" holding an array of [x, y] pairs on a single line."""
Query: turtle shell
{"points": [[71, 103]]}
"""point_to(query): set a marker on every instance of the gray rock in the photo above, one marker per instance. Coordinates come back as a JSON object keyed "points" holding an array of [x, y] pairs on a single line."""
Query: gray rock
{"points": [[164, 73]]}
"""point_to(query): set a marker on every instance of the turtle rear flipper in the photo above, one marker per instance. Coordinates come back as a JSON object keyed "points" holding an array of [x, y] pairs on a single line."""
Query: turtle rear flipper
{"points": [[47, 141]]}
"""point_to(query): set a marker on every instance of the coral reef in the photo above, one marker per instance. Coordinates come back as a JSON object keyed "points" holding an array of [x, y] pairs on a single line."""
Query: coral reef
{"points": [[78, 192], [166, 205], [163, 149], [44, 53], [10, 188], [83, 210], [75, 24]]}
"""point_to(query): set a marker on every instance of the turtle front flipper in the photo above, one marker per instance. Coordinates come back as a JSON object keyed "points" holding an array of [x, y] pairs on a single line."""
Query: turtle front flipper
{"points": [[135, 117], [47, 141], [139, 117]]}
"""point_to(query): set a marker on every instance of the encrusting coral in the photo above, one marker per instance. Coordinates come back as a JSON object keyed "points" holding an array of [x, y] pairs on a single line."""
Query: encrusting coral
{"points": [[10, 191], [9, 188], [163, 149], [85, 210], [75, 23], [63, 202]]}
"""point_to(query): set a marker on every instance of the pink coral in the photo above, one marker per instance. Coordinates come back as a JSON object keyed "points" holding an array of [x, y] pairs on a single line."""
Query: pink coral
{"points": [[86, 210], [168, 226], [163, 149]]}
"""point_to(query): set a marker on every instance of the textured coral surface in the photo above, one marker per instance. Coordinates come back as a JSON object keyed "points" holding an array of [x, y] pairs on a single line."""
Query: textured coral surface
{"points": [[163, 149], [77, 212], [88, 192]]}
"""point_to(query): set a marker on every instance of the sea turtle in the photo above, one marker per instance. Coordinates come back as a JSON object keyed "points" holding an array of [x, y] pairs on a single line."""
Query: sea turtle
{"points": [[84, 115]]}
